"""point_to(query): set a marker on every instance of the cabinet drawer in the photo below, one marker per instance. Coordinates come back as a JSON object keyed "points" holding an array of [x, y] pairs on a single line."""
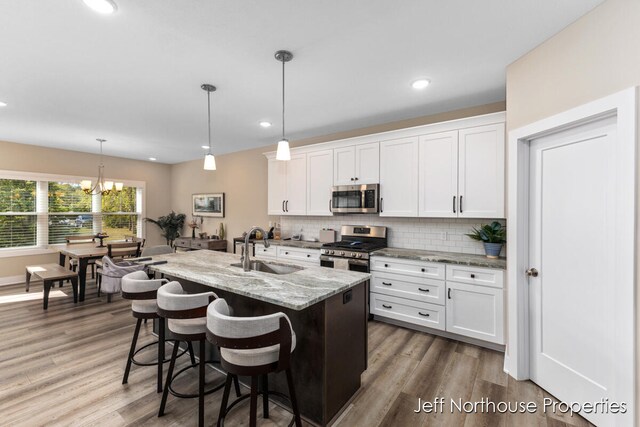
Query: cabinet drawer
{"points": [[183, 243], [199, 244], [418, 313], [415, 288], [475, 275], [262, 252], [431, 270], [298, 254]]}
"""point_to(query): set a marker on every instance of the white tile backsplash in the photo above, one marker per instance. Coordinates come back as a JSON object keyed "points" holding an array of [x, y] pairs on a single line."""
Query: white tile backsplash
{"points": [[411, 233]]}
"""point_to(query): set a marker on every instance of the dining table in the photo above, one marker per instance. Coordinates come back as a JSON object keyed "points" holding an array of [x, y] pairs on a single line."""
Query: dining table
{"points": [[83, 252]]}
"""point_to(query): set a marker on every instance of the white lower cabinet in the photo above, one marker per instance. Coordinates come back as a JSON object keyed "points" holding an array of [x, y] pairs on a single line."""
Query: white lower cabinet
{"points": [[267, 253], [419, 313], [289, 254], [466, 301], [475, 311]]}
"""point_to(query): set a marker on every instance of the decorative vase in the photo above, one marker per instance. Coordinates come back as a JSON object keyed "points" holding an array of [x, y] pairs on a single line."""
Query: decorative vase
{"points": [[492, 250], [221, 233]]}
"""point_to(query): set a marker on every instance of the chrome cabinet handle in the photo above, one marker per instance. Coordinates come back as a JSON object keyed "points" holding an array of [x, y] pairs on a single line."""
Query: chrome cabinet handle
{"points": [[460, 204], [330, 205], [381, 204], [532, 272], [287, 206], [423, 314], [454, 204], [308, 255], [423, 290], [473, 276], [283, 206], [386, 283], [386, 306], [449, 293], [386, 265]]}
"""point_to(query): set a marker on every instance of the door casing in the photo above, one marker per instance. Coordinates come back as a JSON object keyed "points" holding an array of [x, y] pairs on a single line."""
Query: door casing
{"points": [[622, 105]]}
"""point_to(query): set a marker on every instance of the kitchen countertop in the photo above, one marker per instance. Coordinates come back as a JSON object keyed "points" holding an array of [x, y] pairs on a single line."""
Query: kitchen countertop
{"points": [[446, 257], [297, 290]]}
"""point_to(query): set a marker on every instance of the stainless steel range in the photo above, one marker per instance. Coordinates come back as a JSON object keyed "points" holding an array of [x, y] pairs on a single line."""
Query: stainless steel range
{"points": [[352, 252]]}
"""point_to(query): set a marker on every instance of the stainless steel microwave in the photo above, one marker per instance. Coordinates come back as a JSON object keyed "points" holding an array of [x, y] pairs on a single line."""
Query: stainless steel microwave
{"points": [[355, 198]]}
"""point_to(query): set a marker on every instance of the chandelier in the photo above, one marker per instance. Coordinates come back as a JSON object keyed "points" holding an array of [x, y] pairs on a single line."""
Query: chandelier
{"points": [[101, 187]]}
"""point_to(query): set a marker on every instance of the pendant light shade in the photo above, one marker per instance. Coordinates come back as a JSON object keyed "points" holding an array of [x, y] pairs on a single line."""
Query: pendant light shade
{"points": [[283, 152], [209, 162], [209, 159]]}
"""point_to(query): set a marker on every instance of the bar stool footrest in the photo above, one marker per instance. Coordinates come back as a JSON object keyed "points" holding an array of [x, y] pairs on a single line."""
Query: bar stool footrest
{"points": [[155, 363], [194, 395]]}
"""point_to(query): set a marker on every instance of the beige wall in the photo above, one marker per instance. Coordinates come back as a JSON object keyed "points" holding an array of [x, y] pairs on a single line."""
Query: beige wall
{"points": [[242, 176], [594, 57], [30, 158]]}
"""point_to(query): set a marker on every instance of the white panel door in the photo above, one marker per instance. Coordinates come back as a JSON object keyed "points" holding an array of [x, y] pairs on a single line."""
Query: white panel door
{"points": [[475, 311], [399, 177], [319, 182], [276, 186], [344, 161], [578, 310], [367, 170], [481, 172], [296, 200], [438, 175]]}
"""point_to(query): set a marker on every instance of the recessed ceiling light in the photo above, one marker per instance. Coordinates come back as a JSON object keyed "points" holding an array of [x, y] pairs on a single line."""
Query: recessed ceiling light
{"points": [[102, 6], [153, 159], [3, 104], [206, 147], [420, 84], [265, 124]]}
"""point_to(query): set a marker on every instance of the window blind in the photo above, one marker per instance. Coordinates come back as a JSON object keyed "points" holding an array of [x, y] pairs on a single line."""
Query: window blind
{"points": [[17, 213]]}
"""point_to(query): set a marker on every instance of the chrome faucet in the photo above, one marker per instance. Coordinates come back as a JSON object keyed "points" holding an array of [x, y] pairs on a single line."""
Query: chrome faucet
{"points": [[246, 262]]}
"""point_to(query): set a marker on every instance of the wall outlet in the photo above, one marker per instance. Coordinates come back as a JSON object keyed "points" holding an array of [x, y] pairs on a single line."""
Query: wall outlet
{"points": [[444, 235]]}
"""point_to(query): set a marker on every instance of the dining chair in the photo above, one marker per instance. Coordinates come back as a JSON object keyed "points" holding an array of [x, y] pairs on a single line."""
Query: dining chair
{"points": [[77, 239]]}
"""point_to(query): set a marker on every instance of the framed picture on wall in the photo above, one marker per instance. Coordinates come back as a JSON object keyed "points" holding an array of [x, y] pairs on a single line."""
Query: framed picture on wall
{"points": [[208, 205]]}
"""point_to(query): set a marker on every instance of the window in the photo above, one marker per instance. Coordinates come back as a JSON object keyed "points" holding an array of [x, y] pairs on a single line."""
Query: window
{"points": [[69, 211], [18, 217], [38, 209], [119, 214]]}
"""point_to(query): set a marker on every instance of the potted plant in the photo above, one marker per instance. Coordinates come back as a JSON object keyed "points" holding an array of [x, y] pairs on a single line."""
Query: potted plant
{"points": [[493, 236], [170, 225]]}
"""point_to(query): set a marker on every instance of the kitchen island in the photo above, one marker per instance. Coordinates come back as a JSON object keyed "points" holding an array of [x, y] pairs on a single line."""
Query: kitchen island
{"points": [[327, 308]]}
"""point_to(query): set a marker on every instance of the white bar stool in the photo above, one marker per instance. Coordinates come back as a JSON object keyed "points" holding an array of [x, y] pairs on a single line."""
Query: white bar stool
{"points": [[256, 347], [187, 321]]}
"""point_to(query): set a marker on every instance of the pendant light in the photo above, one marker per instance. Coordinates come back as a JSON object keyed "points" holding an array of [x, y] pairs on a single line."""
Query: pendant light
{"points": [[101, 187], [283, 152], [209, 159]]}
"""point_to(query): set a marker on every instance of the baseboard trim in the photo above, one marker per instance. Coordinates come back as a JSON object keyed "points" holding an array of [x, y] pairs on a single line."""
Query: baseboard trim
{"points": [[11, 280]]}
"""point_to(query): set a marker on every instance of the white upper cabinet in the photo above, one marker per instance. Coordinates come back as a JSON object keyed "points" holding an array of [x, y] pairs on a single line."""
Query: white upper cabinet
{"points": [[442, 170], [481, 172], [438, 175], [399, 177], [277, 186], [368, 163], [287, 186], [462, 173], [319, 182], [356, 164]]}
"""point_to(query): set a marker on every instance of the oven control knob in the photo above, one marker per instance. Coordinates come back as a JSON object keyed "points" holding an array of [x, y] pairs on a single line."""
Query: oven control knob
{"points": [[342, 253], [332, 252], [359, 255]]}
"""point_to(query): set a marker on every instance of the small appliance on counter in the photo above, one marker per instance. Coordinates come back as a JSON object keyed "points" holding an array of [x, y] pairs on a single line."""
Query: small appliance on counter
{"points": [[327, 236]]}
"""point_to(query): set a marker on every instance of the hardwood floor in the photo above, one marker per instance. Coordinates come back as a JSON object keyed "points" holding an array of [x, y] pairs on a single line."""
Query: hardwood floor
{"points": [[64, 366]]}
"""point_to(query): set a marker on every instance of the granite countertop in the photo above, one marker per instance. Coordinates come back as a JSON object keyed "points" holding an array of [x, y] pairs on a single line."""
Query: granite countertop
{"points": [[297, 290], [446, 257], [296, 244]]}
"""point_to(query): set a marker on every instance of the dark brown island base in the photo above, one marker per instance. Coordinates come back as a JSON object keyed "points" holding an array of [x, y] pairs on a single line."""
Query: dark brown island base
{"points": [[328, 311]]}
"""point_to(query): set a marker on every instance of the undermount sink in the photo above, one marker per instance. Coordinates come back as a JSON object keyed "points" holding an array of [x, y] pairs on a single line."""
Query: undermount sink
{"points": [[270, 267]]}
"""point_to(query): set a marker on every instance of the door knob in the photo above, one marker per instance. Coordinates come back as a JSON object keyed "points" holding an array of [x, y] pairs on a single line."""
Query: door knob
{"points": [[532, 272]]}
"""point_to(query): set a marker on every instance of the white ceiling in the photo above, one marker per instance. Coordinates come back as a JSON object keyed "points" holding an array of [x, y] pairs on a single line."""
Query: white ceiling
{"points": [[70, 75]]}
